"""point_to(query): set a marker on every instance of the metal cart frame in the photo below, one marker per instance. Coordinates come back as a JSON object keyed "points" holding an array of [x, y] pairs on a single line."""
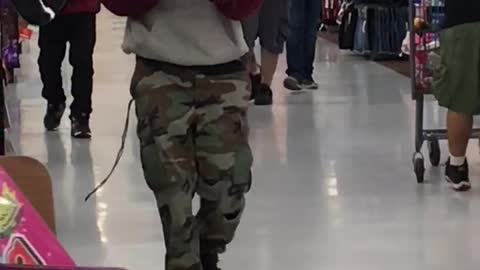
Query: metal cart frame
{"points": [[429, 136]]}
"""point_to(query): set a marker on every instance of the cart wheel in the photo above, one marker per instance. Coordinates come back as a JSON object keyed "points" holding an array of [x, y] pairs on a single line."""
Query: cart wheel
{"points": [[434, 152], [419, 167]]}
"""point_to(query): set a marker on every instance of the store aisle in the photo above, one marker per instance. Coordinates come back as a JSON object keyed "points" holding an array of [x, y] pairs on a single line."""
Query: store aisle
{"points": [[333, 182]]}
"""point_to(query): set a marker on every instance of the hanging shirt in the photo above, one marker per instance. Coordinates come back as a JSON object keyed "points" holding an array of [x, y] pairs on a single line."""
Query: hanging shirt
{"points": [[461, 12]]}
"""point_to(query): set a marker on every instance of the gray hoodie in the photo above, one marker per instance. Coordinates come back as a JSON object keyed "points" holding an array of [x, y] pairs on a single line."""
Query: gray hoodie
{"points": [[185, 32]]}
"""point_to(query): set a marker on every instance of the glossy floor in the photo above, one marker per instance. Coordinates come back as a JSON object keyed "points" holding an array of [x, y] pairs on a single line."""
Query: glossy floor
{"points": [[333, 187]]}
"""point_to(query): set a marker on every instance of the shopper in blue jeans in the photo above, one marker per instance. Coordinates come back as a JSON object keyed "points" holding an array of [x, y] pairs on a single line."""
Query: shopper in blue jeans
{"points": [[304, 17]]}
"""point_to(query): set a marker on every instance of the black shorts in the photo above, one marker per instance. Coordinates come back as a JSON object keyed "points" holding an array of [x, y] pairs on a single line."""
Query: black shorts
{"points": [[270, 25]]}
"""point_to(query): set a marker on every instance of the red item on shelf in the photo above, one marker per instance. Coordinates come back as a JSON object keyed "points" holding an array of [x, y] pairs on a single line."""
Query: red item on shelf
{"points": [[330, 10], [25, 33]]}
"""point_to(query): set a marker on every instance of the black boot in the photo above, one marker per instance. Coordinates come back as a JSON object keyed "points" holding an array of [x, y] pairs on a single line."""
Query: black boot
{"points": [[209, 251], [209, 261], [81, 127], [264, 95], [53, 117]]}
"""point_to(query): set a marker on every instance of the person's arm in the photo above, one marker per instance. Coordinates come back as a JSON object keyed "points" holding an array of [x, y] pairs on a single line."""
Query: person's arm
{"points": [[129, 8], [237, 9]]}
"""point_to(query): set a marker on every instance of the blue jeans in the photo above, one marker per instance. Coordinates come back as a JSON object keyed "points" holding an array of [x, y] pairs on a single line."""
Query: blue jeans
{"points": [[304, 16]]}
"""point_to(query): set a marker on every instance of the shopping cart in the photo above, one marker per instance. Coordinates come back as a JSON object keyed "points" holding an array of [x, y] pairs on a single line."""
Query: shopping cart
{"points": [[425, 21]]}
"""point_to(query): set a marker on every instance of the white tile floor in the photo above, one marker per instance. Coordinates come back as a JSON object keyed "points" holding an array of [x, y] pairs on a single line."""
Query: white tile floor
{"points": [[333, 182]]}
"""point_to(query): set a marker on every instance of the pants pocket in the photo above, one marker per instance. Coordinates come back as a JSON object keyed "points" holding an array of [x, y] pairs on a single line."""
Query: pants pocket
{"points": [[141, 71]]}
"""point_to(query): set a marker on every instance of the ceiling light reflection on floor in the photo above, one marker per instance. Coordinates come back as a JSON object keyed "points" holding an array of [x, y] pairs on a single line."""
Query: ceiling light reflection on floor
{"points": [[332, 180]]}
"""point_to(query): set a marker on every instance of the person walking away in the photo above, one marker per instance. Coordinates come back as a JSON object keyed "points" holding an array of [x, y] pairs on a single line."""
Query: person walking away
{"points": [[191, 93], [76, 25], [304, 17], [270, 26], [457, 83]]}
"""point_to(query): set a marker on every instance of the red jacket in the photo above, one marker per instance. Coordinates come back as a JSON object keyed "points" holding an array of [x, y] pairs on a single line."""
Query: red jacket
{"points": [[129, 8], [232, 9], [238, 9], [82, 6]]}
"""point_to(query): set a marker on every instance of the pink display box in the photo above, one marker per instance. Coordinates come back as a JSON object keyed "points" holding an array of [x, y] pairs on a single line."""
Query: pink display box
{"points": [[17, 267], [26, 242], [25, 238]]}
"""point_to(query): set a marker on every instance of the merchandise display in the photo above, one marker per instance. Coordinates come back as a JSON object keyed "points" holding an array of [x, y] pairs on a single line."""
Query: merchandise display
{"points": [[330, 10], [10, 49], [9, 27], [373, 28]]}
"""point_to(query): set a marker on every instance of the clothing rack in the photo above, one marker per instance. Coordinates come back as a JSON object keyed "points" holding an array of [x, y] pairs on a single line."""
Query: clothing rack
{"points": [[330, 9], [374, 28]]}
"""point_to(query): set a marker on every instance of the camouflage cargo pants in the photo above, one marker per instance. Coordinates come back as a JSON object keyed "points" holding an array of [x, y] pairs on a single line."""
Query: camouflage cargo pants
{"points": [[194, 140]]}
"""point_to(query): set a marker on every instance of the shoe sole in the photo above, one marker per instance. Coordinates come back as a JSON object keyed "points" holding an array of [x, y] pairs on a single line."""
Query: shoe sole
{"points": [[287, 84], [310, 87], [51, 128], [82, 136], [462, 186], [293, 89], [50, 125]]}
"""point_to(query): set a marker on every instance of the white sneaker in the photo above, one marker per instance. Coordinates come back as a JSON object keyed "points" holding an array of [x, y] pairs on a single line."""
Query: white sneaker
{"points": [[292, 84]]}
